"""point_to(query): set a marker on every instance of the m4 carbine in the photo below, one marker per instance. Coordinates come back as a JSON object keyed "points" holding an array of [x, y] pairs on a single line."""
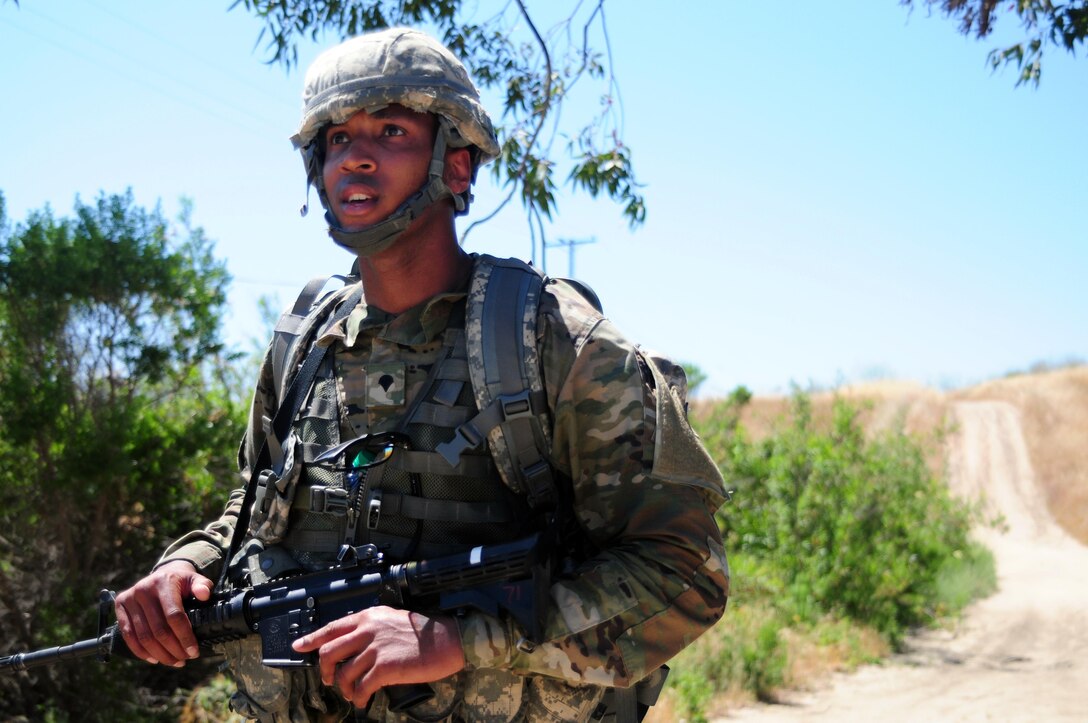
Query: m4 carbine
{"points": [[492, 578]]}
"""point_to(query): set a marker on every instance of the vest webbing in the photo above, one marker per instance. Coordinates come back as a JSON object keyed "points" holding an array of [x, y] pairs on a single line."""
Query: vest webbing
{"points": [[504, 370]]}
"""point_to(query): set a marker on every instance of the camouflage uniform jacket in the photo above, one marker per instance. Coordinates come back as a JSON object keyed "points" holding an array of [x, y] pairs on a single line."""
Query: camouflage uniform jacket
{"points": [[644, 495]]}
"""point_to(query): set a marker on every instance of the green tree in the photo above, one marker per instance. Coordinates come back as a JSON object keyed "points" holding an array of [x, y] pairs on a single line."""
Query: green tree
{"points": [[1045, 23], [119, 417], [533, 71]]}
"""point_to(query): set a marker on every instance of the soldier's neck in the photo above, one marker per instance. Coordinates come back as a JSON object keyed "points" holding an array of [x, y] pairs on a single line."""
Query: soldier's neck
{"points": [[423, 263]]}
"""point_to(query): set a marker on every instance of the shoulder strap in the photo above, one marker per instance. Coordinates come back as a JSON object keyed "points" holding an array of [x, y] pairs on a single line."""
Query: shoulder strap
{"points": [[271, 453], [300, 322], [504, 367]]}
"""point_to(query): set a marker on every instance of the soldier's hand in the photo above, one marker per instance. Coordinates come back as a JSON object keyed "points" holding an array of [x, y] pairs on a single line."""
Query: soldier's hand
{"points": [[383, 646], [151, 614]]}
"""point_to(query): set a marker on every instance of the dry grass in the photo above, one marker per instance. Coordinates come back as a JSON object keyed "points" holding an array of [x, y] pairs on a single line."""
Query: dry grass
{"points": [[884, 407], [811, 662]]}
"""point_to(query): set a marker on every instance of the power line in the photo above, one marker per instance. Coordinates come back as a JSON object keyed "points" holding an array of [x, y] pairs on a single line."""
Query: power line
{"points": [[571, 245], [133, 62], [200, 58]]}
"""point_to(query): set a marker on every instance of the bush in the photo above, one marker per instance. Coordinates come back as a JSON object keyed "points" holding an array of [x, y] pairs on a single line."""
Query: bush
{"points": [[856, 527], [838, 544]]}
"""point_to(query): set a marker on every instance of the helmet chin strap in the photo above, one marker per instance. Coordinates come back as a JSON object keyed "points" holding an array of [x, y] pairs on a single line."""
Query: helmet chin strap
{"points": [[380, 236]]}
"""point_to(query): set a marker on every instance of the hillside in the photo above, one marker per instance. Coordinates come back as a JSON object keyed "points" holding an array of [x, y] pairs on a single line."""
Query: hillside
{"points": [[1017, 445]]}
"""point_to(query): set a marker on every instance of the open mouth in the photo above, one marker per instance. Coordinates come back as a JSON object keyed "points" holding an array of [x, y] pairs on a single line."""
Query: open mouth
{"points": [[357, 203]]}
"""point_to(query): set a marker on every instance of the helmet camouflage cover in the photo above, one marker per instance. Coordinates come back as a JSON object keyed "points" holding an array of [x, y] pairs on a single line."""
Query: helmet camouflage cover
{"points": [[399, 65]]}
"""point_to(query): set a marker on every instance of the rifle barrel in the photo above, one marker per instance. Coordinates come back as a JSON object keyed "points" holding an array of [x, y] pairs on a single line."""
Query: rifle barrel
{"points": [[47, 656]]}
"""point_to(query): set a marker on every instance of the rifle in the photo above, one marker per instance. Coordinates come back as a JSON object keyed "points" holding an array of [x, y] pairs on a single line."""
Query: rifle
{"points": [[493, 578]]}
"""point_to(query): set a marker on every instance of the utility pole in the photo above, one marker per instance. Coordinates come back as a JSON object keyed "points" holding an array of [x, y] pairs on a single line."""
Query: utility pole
{"points": [[570, 244]]}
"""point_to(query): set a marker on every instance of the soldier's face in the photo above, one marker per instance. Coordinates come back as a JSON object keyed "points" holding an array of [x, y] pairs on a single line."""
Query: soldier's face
{"points": [[374, 162]]}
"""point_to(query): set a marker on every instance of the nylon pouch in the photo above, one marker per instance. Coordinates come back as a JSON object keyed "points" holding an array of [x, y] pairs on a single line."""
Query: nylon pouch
{"points": [[277, 695], [679, 456], [275, 494]]}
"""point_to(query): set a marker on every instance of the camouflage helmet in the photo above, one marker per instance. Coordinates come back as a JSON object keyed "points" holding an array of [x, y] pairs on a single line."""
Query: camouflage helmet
{"points": [[372, 71]]}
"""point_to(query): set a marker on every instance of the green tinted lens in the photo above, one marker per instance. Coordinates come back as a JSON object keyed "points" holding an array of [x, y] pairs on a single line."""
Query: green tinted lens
{"points": [[365, 458], [378, 449]]}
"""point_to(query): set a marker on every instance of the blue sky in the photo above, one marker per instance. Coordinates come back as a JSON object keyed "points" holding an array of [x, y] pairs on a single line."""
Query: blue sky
{"points": [[835, 191]]}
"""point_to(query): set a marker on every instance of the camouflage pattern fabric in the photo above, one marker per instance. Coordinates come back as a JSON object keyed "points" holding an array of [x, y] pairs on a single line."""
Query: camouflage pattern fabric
{"points": [[648, 593], [278, 696], [644, 496], [398, 65]]}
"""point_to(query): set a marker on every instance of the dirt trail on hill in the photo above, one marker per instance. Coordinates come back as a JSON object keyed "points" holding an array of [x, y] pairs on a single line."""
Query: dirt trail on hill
{"points": [[1019, 655]]}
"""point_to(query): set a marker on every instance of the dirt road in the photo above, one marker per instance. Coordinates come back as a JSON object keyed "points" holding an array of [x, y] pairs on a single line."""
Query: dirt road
{"points": [[1019, 655]]}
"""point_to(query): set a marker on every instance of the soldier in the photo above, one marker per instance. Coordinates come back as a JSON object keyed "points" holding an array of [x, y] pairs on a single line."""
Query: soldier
{"points": [[392, 135]]}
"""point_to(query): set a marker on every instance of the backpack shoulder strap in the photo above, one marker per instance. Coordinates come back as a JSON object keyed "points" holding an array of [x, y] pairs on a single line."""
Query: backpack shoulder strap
{"points": [[504, 368], [300, 322]]}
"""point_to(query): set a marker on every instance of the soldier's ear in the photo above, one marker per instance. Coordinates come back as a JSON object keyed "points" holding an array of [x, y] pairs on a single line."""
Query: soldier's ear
{"points": [[457, 172]]}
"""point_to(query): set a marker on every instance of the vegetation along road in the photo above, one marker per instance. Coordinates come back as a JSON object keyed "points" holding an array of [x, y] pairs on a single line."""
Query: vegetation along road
{"points": [[1019, 655]]}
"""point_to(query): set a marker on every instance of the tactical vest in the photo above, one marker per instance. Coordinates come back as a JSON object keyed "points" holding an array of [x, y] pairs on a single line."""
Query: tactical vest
{"points": [[475, 411]]}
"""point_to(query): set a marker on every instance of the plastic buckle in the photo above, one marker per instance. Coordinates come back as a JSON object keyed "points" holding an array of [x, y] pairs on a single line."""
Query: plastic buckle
{"points": [[466, 437], [515, 406], [265, 483], [329, 500], [541, 485]]}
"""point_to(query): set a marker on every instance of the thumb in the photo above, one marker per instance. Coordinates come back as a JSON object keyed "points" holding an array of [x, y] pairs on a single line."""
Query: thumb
{"points": [[200, 586]]}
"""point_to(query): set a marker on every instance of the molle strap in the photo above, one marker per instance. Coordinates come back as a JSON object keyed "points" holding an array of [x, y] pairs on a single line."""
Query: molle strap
{"points": [[502, 410], [419, 462], [315, 540], [442, 415], [454, 369], [431, 510]]}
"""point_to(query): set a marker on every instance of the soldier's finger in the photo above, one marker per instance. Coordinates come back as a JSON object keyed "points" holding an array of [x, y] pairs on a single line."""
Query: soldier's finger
{"points": [[136, 633], [364, 690], [181, 629], [155, 635], [319, 637], [345, 655], [201, 587], [128, 633], [332, 658], [349, 679]]}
